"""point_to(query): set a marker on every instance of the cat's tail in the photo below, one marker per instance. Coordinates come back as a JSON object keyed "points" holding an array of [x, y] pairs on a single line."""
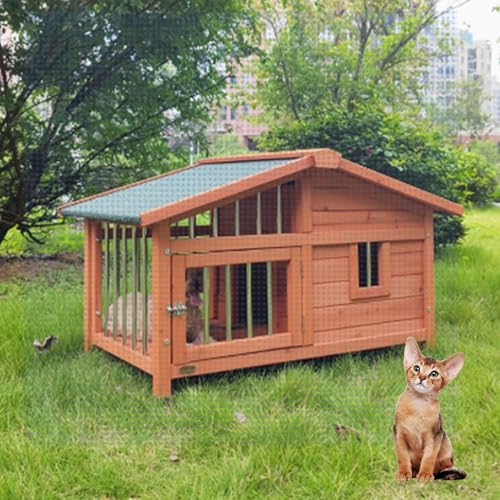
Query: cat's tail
{"points": [[451, 474]]}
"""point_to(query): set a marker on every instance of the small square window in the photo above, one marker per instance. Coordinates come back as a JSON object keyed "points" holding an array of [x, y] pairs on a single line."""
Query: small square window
{"points": [[369, 273], [368, 264]]}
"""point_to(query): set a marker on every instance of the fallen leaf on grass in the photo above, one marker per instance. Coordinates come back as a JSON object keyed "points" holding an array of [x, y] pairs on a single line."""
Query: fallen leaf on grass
{"points": [[240, 417]]}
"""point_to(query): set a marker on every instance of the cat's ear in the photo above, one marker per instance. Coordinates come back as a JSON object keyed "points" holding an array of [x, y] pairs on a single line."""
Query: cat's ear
{"points": [[412, 353], [453, 365]]}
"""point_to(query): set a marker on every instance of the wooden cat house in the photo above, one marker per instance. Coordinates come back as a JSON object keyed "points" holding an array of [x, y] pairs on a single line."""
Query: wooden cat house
{"points": [[291, 255]]}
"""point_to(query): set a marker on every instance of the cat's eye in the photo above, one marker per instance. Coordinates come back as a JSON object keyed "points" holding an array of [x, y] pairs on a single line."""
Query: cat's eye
{"points": [[416, 368], [434, 373]]}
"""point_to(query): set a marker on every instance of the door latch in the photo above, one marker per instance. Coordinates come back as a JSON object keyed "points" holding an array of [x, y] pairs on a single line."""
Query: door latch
{"points": [[176, 309]]}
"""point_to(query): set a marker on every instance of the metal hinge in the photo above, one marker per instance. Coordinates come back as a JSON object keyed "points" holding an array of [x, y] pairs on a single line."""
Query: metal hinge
{"points": [[176, 309]]}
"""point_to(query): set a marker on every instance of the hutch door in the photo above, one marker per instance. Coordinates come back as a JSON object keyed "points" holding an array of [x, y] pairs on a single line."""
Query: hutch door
{"points": [[231, 303]]}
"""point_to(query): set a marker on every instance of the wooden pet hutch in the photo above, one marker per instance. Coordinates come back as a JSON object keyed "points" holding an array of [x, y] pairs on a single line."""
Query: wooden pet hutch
{"points": [[257, 259]]}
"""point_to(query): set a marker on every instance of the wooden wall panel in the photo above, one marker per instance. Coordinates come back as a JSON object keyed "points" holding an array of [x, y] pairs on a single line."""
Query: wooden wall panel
{"points": [[406, 247], [330, 270], [395, 218], [330, 252], [337, 293], [338, 191], [367, 313], [406, 263], [331, 279], [377, 330], [342, 202]]}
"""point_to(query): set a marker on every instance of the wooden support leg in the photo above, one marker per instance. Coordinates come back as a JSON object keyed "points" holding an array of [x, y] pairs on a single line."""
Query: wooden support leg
{"points": [[429, 312], [92, 282], [161, 297]]}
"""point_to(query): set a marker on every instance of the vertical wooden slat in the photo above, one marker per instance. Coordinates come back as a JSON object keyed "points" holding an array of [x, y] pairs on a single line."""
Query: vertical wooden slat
{"points": [[124, 284], [144, 322], [307, 294], [249, 299], [206, 305], [214, 291], [92, 282], [105, 306], [161, 330], [302, 208], [429, 293], [135, 282], [258, 221], [116, 271], [192, 232], [229, 316], [215, 222], [294, 297], [368, 264], [279, 213], [269, 290], [178, 296], [237, 218]]}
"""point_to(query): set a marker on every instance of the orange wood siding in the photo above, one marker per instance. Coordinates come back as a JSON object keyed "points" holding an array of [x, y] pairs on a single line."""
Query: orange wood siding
{"points": [[428, 271], [341, 202], [370, 339], [370, 312], [161, 297], [92, 282], [302, 210], [333, 308]]}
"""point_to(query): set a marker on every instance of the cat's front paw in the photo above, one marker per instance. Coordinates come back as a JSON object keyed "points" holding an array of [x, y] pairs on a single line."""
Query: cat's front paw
{"points": [[402, 476], [424, 477]]}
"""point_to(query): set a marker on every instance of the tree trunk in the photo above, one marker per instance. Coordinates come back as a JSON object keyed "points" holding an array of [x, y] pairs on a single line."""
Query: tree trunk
{"points": [[11, 213], [5, 227]]}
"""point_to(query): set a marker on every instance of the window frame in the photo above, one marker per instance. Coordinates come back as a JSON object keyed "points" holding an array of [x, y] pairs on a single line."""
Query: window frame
{"points": [[358, 292]]}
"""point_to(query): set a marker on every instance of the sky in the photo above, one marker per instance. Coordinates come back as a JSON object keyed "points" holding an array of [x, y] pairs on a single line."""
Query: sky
{"points": [[477, 17]]}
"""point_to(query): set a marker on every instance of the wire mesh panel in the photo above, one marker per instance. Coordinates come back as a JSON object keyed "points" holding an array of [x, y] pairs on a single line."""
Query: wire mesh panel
{"points": [[235, 301], [265, 212]]}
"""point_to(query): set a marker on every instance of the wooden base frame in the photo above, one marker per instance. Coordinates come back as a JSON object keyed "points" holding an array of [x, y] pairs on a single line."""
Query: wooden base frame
{"points": [[250, 360]]}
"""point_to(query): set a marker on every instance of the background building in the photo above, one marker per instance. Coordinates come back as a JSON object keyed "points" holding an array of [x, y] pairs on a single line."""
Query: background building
{"points": [[466, 60], [236, 114]]}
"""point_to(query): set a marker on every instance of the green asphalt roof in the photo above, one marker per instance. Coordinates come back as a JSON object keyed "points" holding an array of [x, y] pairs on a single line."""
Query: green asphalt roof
{"points": [[127, 204]]}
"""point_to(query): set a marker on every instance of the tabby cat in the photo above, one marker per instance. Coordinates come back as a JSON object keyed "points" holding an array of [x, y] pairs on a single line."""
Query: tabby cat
{"points": [[423, 450]]}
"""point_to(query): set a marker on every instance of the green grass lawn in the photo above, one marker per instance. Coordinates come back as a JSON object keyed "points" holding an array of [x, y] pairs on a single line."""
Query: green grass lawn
{"points": [[83, 425]]}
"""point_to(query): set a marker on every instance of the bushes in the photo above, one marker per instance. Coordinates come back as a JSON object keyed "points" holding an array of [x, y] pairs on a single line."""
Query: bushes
{"points": [[409, 151], [476, 179]]}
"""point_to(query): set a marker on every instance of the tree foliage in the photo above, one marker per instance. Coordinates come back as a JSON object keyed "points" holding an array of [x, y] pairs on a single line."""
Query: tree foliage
{"points": [[90, 91], [413, 152], [347, 75], [336, 53]]}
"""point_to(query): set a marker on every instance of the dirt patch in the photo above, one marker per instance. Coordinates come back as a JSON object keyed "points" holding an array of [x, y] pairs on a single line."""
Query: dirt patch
{"points": [[28, 267]]}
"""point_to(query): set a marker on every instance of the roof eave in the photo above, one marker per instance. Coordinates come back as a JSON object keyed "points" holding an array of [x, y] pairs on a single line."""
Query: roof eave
{"points": [[322, 156], [431, 200]]}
